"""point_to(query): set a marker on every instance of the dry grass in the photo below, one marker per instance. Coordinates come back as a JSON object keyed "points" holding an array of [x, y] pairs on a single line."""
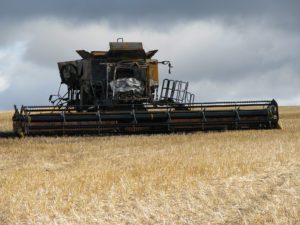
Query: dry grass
{"points": [[248, 177]]}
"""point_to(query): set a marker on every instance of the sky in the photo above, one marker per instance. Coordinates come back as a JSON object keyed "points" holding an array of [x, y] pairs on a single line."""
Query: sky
{"points": [[227, 50]]}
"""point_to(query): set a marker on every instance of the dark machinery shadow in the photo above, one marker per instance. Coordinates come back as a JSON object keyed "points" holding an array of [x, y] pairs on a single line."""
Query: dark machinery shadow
{"points": [[7, 134]]}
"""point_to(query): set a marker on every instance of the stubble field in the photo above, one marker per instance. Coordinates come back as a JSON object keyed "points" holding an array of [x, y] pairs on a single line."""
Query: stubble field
{"points": [[242, 177]]}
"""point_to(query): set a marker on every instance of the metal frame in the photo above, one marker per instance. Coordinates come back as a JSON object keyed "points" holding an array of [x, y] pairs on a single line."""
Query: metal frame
{"points": [[176, 91]]}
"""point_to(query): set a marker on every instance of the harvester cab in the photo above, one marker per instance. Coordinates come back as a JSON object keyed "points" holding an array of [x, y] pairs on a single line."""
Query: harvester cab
{"points": [[124, 74], [116, 91]]}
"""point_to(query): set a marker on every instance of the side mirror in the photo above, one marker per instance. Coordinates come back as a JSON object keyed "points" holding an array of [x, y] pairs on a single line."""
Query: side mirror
{"points": [[167, 63]]}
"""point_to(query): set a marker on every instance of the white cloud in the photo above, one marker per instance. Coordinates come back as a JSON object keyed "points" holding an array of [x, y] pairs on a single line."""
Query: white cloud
{"points": [[3, 84], [10, 57]]}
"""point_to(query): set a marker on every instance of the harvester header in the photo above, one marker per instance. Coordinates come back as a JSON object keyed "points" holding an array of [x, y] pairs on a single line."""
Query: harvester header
{"points": [[117, 91]]}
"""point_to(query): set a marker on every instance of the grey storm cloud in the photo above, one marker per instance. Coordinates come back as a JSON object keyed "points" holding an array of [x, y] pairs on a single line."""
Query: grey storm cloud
{"points": [[284, 13], [228, 50]]}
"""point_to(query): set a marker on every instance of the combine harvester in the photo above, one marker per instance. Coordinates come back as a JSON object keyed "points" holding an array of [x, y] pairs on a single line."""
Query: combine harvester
{"points": [[116, 92]]}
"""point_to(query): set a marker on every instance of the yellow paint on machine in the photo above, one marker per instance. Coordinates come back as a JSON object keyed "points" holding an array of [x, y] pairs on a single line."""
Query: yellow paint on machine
{"points": [[153, 71]]}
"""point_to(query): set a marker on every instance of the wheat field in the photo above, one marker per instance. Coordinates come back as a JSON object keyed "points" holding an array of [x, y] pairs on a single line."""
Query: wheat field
{"points": [[238, 177]]}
